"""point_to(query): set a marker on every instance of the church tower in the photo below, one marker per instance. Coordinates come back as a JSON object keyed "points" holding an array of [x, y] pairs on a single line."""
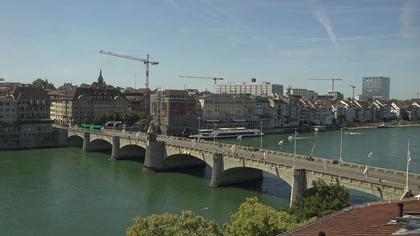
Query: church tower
{"points": [[101, 83]]}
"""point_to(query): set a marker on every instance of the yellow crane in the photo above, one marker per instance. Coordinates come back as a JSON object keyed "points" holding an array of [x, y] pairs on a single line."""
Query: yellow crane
{"points": [[332, 80], [146, 61], [215, 79]]}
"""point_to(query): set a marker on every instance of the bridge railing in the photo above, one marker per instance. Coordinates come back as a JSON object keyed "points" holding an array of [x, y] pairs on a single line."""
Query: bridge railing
{"points": [[382, 170]]}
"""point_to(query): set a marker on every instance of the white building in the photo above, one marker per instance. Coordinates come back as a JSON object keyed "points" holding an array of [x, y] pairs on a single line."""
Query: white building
{"points": [[305, 93], [252, 88]]}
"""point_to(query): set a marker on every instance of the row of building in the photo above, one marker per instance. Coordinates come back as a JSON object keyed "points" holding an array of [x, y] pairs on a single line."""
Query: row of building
{"points": [[184, 111], [25, 118], [177, 111]]}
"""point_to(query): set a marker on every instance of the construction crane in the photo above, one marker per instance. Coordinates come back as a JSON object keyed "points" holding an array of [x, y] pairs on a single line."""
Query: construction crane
{"points": [[215, 79], [353, 87], [332, 80], [146, 61]]}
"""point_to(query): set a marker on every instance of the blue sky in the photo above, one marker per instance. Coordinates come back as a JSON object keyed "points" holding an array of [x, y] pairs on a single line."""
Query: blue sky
{"points": [[280, 41]]}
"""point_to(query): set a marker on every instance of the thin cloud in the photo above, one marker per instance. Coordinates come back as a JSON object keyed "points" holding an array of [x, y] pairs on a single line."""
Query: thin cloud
{"points": [[322, 16], [223, 16], [408, 18], [173, 4]]}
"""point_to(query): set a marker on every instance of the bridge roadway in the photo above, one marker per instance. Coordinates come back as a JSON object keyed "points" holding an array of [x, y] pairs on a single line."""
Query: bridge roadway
{"points": [[384, 183]]}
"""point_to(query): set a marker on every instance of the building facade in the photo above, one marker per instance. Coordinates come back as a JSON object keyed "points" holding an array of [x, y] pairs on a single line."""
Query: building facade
{"points": [[85, 105], [25, 121], [252, 88], [139, 100], [305, 93], [174, 112], [228, 110], [376, 87], [8, 110]]}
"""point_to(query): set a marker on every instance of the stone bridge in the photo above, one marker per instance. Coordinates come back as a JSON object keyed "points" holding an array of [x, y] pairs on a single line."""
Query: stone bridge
{"points": [[233, 164]]}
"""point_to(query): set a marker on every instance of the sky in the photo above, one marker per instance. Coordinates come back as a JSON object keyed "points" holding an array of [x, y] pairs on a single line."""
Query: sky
{"points": [[278, 41]]}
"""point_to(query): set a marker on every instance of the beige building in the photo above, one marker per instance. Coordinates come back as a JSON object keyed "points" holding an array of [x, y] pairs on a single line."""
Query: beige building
{"points": [[82, 105], [226, 110]]}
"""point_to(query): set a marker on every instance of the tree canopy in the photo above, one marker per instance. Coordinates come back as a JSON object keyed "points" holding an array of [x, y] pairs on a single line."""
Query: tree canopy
{"points": [[38, 83], [256, 219], [322, 200], [251, 219], [169, 224]]}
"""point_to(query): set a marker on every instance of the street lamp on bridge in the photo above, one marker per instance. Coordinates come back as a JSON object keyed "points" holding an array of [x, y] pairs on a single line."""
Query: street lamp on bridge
{"points": [[340, 158], [294, 150], [408, 166]]}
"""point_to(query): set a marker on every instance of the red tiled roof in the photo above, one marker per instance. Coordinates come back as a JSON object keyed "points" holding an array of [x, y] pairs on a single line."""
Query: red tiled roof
{"points": [[370, 219]]}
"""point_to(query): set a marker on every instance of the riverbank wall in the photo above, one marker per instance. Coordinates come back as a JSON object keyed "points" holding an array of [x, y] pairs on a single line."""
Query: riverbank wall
{"points": [[16, 140], [375, 125]]}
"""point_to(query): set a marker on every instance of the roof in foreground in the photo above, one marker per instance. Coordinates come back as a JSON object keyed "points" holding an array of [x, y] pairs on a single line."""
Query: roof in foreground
{"points": [[368, 219]]}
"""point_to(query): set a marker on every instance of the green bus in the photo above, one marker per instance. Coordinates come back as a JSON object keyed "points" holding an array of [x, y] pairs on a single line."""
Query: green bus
{"points": [[92, 127]]}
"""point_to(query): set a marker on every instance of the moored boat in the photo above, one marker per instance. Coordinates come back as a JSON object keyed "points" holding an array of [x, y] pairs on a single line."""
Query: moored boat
{"points": [[227, 133]]}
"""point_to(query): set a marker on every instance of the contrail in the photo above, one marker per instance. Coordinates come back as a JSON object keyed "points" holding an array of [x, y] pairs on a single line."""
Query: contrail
{"points": [[322, 16]]}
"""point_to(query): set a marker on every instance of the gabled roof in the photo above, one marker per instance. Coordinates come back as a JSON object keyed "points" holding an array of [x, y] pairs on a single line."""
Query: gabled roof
{"points": [[29, 93], [369, 219]]}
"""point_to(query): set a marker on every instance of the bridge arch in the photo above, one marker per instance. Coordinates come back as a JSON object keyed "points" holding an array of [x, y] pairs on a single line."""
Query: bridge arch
{"points": [[237, 175], [131, 151], [75, 140], [182, 161], [99, 145]]}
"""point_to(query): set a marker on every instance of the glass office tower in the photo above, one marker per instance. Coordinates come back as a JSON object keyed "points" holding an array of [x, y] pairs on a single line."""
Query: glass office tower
{"points": [[376, 87]]}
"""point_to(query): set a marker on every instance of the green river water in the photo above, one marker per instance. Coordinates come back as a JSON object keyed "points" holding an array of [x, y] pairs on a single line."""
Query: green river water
{"points": [[62, 191]]}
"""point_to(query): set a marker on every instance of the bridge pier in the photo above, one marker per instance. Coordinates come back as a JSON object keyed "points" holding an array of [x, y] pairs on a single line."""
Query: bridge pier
{"points": [[115, 147], [217, 170], [86, 141], [155, 155], [221, 177], [298, 186]]}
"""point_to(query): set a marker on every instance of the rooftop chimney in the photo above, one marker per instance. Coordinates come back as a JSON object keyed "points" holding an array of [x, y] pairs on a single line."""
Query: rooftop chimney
{"points": [[401, 209]]}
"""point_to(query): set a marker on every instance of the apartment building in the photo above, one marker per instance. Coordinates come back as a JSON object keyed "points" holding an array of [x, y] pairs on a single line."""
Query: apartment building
{"points": [[174, 112]]}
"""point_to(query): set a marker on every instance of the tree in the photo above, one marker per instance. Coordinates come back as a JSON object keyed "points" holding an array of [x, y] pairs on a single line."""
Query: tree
{"points": [[322, 200], [169, 224], [129, 90], [38, 83], [254, 219]]}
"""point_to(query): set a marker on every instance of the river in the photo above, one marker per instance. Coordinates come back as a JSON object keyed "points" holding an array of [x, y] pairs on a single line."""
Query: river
{"points": [[62, 191]]}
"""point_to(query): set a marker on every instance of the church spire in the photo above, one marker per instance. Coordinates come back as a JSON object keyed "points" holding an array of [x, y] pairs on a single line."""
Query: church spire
{"points": [[101, 83]]}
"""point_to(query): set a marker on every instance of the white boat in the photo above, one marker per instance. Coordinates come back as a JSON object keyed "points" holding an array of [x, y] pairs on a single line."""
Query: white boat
{"points": [[319, 128], [227, 133]]}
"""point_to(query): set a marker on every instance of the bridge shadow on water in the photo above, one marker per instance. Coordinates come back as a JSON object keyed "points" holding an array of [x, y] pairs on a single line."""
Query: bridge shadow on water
{"points": [[199, 171], [270, 184]]}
